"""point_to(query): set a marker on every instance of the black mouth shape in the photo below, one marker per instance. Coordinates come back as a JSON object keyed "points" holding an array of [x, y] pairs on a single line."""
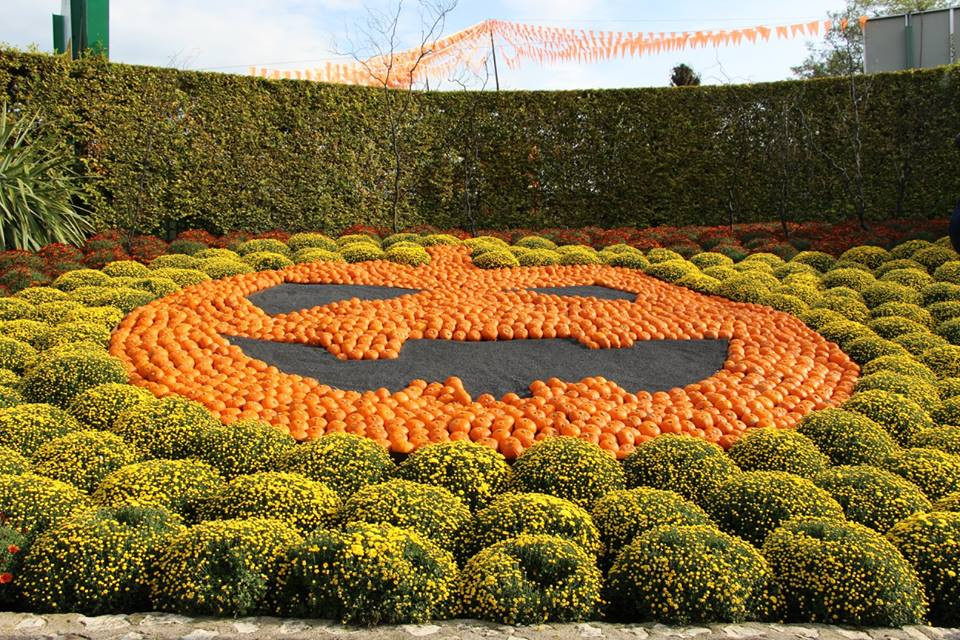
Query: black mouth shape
{"points": [[494, 367]]}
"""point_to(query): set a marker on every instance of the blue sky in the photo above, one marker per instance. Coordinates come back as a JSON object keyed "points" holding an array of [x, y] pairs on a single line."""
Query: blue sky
{"points": [[229, 36]]}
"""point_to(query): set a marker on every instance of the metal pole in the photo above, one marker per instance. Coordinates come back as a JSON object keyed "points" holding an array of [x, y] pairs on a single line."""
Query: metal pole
{"points": [[493, 49]]}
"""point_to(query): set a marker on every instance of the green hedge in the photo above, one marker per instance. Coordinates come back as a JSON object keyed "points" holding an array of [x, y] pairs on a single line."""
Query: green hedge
{"points": [[177, 149]]}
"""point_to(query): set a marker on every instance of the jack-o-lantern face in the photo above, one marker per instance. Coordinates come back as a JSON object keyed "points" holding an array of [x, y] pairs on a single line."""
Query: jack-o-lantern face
{"points": [[775, 371]]}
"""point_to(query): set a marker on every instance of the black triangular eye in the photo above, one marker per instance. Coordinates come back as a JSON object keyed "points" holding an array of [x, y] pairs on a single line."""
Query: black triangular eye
{"points": [[288, 297]]}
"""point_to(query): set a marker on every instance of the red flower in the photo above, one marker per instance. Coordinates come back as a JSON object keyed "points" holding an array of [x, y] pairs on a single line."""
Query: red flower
{"points": [[6, 577], [13, 549]]}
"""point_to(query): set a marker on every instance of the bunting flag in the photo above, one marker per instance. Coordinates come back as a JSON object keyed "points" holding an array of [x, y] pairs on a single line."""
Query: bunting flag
{"points": [[519, 43]]}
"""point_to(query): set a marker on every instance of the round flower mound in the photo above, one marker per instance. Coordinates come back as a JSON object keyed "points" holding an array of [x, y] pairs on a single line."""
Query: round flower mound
{"points": [[12, 462], [950, 502], [96, 561], [431, 511], [472, 472], [901, 365], [410, 255], [77, 331], [16, 355], [218, 268], [621, 516], [847, 437], [171, 427], [948, 388], [60, 379], [32, 503], [25, 427], [221, 567], [258, 245], [317, 255], [569, 468], [300, 241], [367, 574], [903, 311], [754, 503], [178, 485], [342, 461], [917, 389], [944, 361], [931, 543], [772, 449], [531, 579], [692, 467], [946, 438], [948, 412], [843, 573], [83, 458], [361, 252], [689, 574], [300, 502], [873, 497], [267, 261], [495, 259], [515, 514], [245, 446], [936, 472], [902, 418], [99, 407]]}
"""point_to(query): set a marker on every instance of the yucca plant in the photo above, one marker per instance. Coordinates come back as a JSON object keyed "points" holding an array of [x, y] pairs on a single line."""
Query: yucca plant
{"points": [[38, 188]]}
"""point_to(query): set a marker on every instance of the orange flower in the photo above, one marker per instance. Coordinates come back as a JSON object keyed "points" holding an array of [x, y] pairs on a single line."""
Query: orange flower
{"points": [[13, 549], [6, 577]]}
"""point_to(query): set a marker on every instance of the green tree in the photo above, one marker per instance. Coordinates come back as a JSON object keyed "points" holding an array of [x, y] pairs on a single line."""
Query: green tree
{"points": [[683, 76]]}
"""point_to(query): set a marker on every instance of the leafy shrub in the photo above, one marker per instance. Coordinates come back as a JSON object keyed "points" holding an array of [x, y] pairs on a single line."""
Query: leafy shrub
{"points": [[929, 542], [772, 449], [536, 242], [221, 567], [944, 361], [361, 252], [901, 365], [721, 272], [174, 261], [300, 241], [945, 438], [109, 317], [883, 292], [183, 277], [12, 462], [83, 458], [189, 247], [32, 504], [902, 418], [581, 256], [710, 259], [171, 427], [915, 278], [754, 503], [936, 472], [59, 380], [817, 259], [261, 245], [357, 238], [389, 241], [920, 341], [549, 465], [948, 388], [546, 257], [16, 355], [495, 259], [31, 332], [744, 288], [896, 265], [843, 573], [472, 472], [890, 327], [244, 446], [917, 389], [342, 461], [692, 467], [514, 514], [25, 427], [947, 413], [873, 497], [659, 254], [701, 284], [431, 511], [689, 574], [933, 257], [99, 407], [157, 285], [298, 501], [413, 256], [71, 332], [317, 255], [908, 248], [178, 485], [785, 302], [854, 278], [620, 516], [869, 256], [940, 292], [912, 312], [847, 437], [40, 295], [227, 254], [267, 261], [367, 574], [14, 309], [218, 268], [948, 272], [81, 278], [847, 306], [97, 561]]}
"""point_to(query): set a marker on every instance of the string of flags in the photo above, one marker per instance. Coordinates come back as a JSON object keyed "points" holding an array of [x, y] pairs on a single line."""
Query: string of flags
{"points": [[544, 45]]}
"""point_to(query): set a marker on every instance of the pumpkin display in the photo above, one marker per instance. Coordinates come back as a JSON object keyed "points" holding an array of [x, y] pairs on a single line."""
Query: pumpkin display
{"points": [[777, 369]]}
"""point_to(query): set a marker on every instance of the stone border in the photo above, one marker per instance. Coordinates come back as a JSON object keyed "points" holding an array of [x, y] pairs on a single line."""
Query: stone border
{"points": [[141, 626]]}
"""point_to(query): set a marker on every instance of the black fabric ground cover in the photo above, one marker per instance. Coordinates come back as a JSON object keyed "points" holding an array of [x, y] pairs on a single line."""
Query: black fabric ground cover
{"points": [[495, 367]]}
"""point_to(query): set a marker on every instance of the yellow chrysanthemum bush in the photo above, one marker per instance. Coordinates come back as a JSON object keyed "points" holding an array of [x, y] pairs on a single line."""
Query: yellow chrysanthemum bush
{"points": [[433, 512], [772, 449], [97, 561], [621, 516], [267, 260], [514, 514], [902, 418], [945, 438], [871, 496], [181, 486], [936, 472], [300, 241], [222, 567], [58, 380], [12, 462], [99, 407], [687, 574], [317, 255], [25, 427], [16, 355], [949, 502], [568, 468], [294, 499], [361, 252], [260, 245], [32, 503], [244, 446], [692, 467], [754, 503], [472, 472], [412, 255], [918, 389], [847, 437], [83, 458], [931, 543], [531, 579], [493, 258], [367, 574], [218, 268], [843, 573], [342, 461], [171, 427]]}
